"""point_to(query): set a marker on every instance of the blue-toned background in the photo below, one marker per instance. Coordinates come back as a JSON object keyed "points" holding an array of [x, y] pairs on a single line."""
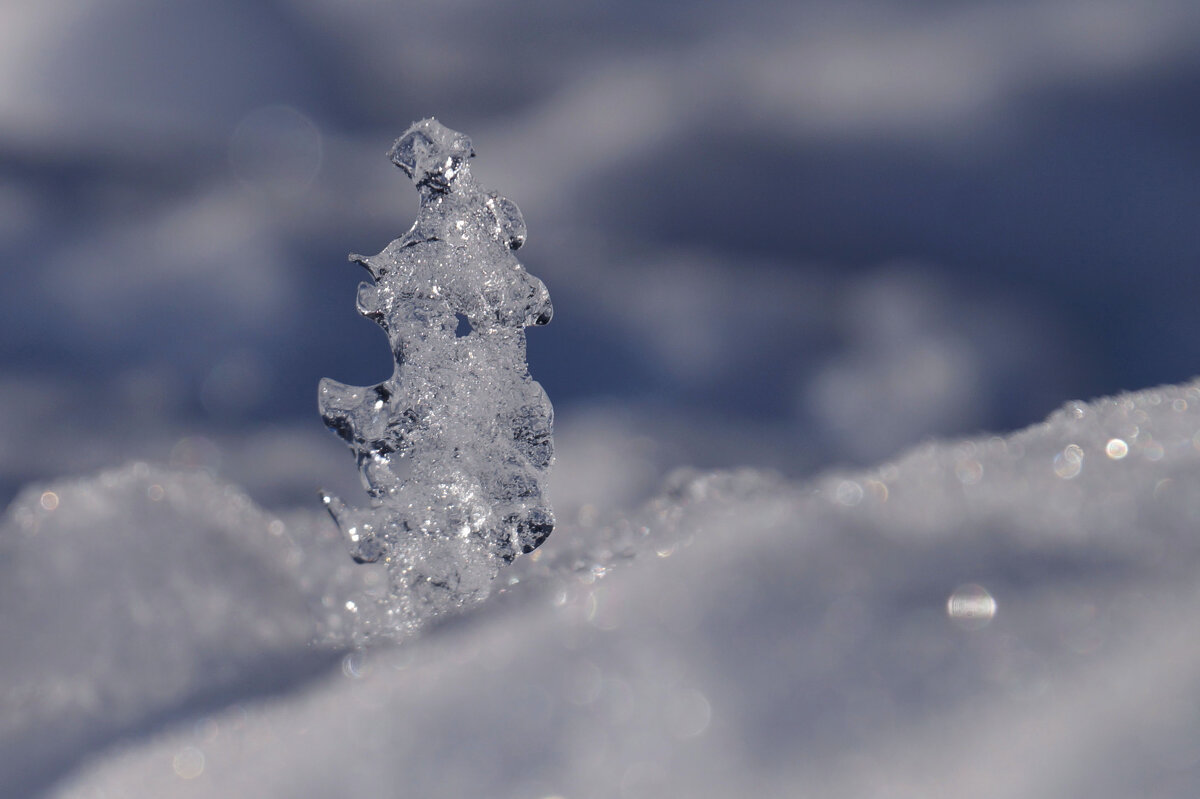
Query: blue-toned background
{"points": [[789, 234]]}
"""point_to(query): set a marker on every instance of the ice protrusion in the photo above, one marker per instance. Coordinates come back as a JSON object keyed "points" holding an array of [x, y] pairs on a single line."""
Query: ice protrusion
{"points": [[454, 446]]}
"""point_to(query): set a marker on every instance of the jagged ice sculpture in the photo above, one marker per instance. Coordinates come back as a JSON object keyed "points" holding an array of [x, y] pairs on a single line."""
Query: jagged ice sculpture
{"points": [[454, 445]]}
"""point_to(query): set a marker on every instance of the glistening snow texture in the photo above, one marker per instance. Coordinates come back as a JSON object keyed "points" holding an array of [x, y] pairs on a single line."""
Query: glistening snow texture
{"points": [[741, 635], [454, 445]]}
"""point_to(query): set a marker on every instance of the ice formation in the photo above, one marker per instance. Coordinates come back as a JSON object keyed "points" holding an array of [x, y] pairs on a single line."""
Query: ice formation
{"points": [[454, 445]]}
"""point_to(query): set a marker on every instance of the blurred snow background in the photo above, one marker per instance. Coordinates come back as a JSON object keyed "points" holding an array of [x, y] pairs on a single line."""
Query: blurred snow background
{"points": [[792, 235]]}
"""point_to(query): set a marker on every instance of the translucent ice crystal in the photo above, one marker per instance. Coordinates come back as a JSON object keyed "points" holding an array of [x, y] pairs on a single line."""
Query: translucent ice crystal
{"points": [[453, 446]]}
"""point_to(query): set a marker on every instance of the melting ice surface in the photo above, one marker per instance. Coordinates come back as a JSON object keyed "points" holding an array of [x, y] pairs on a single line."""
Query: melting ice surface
{"points": [[454, 445]]}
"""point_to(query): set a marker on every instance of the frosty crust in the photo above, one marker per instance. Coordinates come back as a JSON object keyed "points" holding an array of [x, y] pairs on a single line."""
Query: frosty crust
{"points": [[454, 445]]}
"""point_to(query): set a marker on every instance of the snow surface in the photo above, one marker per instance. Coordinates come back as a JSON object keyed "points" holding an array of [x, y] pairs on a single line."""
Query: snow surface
{"points": [[739, 635]]}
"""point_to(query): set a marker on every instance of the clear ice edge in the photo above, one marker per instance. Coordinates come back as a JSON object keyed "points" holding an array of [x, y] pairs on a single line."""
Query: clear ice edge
{"points": [[454, 446]]}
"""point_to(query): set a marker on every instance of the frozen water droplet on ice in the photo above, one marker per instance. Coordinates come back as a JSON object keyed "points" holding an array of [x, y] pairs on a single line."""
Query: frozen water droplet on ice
{"points": [[454, 446]]}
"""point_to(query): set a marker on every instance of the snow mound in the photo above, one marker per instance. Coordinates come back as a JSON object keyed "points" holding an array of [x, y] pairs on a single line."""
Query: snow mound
{"points": [[998, 616], [135, 597]]}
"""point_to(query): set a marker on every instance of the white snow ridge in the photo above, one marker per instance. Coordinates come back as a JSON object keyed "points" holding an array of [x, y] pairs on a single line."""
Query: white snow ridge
{"points": [[1006, 617]]}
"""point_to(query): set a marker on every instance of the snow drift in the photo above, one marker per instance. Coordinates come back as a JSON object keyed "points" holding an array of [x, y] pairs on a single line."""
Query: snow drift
{"points": [[739, 635]]}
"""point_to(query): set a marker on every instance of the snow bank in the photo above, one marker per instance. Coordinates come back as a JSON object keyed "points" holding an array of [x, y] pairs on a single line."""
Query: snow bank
{"points": [[136, 597], [741, 635]]}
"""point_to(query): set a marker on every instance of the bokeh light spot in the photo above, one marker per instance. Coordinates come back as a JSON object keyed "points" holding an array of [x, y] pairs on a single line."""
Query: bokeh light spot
{"points": [[188, 763], [277, 150], [971, 606], [1069, 463], [848, 493]]}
